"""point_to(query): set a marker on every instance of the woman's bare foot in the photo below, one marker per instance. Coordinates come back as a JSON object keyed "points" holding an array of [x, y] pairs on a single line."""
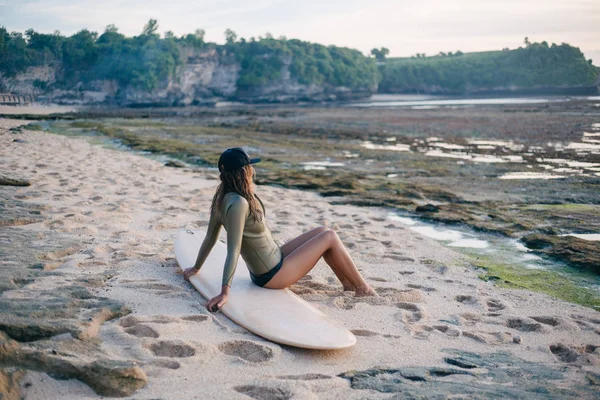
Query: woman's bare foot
{"points": [[366, 290], [348, 287]]}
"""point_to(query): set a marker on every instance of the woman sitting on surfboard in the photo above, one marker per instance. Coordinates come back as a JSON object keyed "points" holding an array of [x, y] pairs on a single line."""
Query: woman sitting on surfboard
{"points": [[241, 212]]}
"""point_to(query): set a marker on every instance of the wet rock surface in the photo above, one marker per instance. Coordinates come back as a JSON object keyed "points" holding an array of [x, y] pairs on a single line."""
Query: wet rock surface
{"points": [[577, 252], [496, 375]]}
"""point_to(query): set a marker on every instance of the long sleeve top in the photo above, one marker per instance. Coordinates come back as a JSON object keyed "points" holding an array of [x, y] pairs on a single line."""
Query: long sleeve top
{"points": [[246, 237]]}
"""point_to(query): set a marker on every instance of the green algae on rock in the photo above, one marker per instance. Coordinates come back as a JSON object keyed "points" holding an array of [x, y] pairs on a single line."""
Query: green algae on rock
{"points": [[538, 280]]}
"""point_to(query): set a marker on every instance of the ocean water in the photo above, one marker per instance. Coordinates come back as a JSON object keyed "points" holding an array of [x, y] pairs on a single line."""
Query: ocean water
{"points": [[432, 102]]}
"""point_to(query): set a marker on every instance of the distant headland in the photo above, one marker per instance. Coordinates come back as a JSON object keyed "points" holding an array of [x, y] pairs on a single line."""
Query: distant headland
{"points": [[149, 70]]}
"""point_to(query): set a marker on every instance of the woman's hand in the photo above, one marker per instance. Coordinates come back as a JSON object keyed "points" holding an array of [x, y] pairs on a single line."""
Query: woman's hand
{"points": [[217, 302], [188, 272]]}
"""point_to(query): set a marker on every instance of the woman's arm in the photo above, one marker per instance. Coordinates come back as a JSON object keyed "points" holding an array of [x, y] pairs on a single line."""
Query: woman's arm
{"points": [[212, 234], [235, 221]]}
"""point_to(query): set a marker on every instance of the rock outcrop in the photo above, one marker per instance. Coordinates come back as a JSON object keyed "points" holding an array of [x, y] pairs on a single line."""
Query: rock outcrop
{"points": [[205, 77], [576, 252], [53, 330]]}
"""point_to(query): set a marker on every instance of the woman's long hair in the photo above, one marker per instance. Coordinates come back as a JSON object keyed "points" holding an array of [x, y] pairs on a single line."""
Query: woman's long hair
{"points": [[240, 182]]}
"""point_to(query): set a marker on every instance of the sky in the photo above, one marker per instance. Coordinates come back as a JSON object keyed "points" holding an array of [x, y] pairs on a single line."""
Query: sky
{"points": [[404, 27]]}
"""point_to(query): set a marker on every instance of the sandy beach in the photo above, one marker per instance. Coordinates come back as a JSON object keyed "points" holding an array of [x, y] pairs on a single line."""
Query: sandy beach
{"points": [[436, 328]]}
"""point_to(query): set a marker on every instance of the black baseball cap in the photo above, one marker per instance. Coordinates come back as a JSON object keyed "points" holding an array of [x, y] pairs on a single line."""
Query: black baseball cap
{"points": [[235, 158]]}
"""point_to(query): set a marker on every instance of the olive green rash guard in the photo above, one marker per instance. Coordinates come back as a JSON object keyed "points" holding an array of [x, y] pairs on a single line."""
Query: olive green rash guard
{"points": [[246, 237]]}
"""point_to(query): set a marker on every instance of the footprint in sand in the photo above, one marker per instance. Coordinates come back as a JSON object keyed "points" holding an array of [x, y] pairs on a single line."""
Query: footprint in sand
{"points": [[494, 305], [526, 325], [587, 323], [141, 330], [423, 288], [305, 377], [493, 338], [583, 355], [263, 392], [465, 299], [377, 279], [420, 331], [400, 258], [364, 332], [345, 303], [406, 272], [448, 330], [247, 350], [410, 312], [196, 318], [559, 323], [564, 353], [169, 364], [395, 295], [173, 348], [128, 321]]}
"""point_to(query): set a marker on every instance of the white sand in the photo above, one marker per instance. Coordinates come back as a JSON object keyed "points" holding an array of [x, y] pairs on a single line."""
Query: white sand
{"points": [[126, 209], [36, 108]]}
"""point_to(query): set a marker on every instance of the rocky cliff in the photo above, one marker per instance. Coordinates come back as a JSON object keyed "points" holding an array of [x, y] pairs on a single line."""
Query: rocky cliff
{"points": [[204, 77]]}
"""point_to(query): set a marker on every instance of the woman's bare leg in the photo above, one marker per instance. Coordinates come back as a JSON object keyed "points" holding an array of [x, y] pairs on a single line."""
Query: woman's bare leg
{"points": [[305, 257], [293, 244]]}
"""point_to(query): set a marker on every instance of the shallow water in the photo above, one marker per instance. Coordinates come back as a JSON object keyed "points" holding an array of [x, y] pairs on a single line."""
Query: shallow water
{"points": [[477, 151], [507, 250], [431, 102], [585, 236]]}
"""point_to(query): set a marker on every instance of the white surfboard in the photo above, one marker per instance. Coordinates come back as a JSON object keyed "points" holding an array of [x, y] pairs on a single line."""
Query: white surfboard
{"points": [[276, 315]]}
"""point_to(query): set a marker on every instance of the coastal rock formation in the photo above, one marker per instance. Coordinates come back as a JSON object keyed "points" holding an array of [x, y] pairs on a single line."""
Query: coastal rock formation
{"points": [[577, 252], [205, 77], [492, 375], [74, 359], [49, 329], [30, 81]]}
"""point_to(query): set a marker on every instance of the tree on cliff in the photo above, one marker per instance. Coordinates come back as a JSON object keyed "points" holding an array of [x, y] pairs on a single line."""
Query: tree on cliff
{"points": [[230, 36], [150, 28], [380, 54]]}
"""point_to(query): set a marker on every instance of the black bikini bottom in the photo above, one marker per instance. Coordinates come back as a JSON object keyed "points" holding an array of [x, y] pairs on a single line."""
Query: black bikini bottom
{"points": [[262, 279]]}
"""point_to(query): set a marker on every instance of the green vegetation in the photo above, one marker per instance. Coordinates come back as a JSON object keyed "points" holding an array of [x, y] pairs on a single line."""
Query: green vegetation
{"points": [[537, 65], [380, 54], [310, 63], [141, 61], [146, 60], [544, 281]]}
